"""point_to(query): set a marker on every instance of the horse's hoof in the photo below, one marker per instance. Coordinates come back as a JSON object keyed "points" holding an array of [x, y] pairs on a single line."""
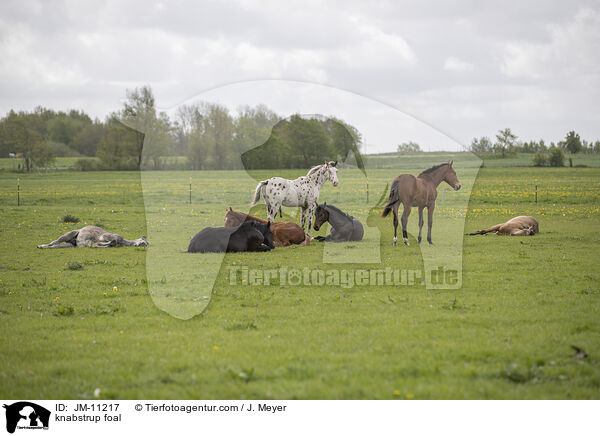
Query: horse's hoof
{"points": [[395, 241], [430, 243], [419, 240], [405, 240]]}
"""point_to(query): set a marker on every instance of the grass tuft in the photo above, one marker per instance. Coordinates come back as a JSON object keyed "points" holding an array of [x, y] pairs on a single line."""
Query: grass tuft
{"points": [[68, 218]]}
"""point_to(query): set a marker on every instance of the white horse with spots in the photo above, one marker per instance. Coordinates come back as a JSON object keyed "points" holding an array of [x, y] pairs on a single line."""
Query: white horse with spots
{"points": [[302, 192]]}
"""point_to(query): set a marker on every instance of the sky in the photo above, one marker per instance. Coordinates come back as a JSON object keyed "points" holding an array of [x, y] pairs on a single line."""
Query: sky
{"points": [[436, 72]]}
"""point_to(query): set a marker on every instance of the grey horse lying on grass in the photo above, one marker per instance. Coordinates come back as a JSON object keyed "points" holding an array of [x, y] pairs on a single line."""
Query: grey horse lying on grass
{"points": [[95, 237]]}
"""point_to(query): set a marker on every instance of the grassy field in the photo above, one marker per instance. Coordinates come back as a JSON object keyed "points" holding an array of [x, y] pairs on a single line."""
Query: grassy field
{"points": [[506, 333]]}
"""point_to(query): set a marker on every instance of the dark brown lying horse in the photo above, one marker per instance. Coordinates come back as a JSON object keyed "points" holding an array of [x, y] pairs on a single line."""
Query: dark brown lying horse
{"points": [[421, 192], [249, 236], [284, 234]]}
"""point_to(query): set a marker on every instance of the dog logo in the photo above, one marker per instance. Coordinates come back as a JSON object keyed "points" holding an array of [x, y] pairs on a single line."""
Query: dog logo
{"points": [[26, 415]]}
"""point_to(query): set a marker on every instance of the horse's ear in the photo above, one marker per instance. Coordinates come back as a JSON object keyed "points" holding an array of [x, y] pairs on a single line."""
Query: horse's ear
{"points": [[334, 164], [451, 162], [230, 209], [326, 163], [325, 204]]}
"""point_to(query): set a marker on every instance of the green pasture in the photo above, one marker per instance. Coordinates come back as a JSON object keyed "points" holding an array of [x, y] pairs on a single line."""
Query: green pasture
{"points": [[506, 333]]}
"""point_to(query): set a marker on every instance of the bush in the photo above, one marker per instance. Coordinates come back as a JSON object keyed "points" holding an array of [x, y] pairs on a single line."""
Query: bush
{"points": [[61, 150], [87, 164], [68, 218], [540, 159], [557, 157]]}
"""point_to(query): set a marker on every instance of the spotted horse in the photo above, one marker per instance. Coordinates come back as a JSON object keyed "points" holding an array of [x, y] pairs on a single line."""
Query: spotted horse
{"points": [[302, 192]]}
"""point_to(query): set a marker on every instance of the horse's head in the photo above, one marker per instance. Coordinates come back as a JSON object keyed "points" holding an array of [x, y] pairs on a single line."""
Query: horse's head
{"points": [[141, 242], [451, 178], [331, 172], [233, 218], [321, 216]]}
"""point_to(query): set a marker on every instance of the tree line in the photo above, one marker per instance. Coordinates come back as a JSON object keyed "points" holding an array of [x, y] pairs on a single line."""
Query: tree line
{"points": [[200, 136], [553, 154]]}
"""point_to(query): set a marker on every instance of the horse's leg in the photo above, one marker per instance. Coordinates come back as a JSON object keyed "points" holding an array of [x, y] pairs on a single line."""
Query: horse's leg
{"points": [[65, 241], [405, 214], [430, 209], [420, 222], [310, 212], [64, 245], [340, 235], [272, 211], [303, 218], [395, 211]]}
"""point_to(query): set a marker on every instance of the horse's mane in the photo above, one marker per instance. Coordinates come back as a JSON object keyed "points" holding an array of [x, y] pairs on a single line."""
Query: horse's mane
{"points": [[314, 169], [245, 216], [331, 206], [433, 168]]}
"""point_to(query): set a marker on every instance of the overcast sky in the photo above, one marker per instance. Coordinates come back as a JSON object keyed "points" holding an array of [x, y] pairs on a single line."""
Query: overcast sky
{"points": [[463, 68]]}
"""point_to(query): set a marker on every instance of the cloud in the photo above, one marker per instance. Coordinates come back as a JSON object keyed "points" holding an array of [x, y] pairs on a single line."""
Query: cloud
{"points": [[454, 64], [571, 49], [467, 68]]}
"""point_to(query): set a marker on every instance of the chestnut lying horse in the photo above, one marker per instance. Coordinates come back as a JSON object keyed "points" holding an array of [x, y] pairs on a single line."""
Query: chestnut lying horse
{"points": [[518, 226], [284, 234]]}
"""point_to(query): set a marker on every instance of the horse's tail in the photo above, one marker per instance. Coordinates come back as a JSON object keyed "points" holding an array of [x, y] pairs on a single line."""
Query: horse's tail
{"points": [[483, 232], [393, 198], [257, 192]]}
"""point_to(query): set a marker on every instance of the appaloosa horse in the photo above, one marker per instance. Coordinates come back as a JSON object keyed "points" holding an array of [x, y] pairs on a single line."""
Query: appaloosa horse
{"points": [[344, 227], [284, 234], [95, 237], [303, 192], [421, 192]]}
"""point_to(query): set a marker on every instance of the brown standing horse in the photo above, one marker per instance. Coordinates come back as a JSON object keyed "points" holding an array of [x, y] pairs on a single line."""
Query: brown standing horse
{"points": [[284, 234], [421, 192]]}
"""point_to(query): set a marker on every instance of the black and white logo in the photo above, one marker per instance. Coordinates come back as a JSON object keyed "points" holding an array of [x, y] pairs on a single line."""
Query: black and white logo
{"points": [[26, 415]]}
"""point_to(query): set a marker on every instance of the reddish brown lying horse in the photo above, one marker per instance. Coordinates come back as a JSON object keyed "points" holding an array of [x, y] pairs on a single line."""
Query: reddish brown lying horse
{"points": [[284, 234], [518, 226]]}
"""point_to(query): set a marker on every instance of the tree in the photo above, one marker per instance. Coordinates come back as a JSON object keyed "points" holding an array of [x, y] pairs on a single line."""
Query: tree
{"points": [[87, 140], [219, 129], [540, 159], [252, 128], [22, 135], [118, 148], [505, 140], [557, 157], [481, 145], [409, 147], [572, 142], [139, 113]]}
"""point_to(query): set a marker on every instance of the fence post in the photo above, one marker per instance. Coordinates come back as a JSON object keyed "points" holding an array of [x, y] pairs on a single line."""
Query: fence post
{"points": [[367, 190], [190, 190], [18, 191], [535, 194]]}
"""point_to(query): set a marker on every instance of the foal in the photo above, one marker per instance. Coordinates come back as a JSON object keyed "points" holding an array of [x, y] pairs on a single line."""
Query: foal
{"points": [[344, 227], [421, 192], [284, 234]]}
